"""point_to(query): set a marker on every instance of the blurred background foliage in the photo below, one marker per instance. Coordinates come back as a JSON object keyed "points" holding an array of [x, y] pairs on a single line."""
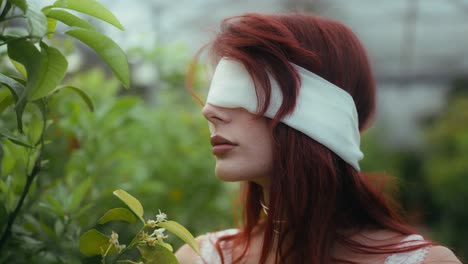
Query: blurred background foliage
{"points": [[152, 141], [431, 180]]}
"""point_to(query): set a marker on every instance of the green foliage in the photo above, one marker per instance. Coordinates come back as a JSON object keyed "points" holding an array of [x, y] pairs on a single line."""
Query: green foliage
{"points": [[107, 49], [446, 169], [114, 214], [432, 180], [90, 7], [131, 202], [157, 255], [180, 231], [68, 19], [52, 71], [26, 119], [94, 242], [149, 240]]}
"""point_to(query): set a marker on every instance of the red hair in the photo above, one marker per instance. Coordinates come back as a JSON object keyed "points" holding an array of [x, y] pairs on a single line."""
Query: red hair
{"points": [[311, 188]]}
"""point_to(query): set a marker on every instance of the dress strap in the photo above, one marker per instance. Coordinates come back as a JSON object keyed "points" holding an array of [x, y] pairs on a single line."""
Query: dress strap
{"points": [[411, 257]]}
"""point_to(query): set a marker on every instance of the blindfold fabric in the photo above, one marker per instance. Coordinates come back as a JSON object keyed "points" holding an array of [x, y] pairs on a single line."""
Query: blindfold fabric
{"points": [[324, 112]]}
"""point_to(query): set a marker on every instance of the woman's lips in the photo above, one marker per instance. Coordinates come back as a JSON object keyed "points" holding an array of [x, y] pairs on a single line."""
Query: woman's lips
{"points": [[222, 149], [221, 145]]}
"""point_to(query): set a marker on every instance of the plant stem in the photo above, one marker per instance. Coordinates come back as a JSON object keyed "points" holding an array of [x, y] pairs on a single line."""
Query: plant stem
{"points": [[131, 245], [135, 239], [12, 217]]}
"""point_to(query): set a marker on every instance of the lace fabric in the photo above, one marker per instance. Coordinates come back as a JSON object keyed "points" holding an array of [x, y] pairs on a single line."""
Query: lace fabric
{"points": [[412, 257], [209, 254]]}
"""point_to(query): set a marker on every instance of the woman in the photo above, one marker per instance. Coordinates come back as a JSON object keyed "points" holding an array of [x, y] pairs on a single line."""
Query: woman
{"points": [[289, 97]]}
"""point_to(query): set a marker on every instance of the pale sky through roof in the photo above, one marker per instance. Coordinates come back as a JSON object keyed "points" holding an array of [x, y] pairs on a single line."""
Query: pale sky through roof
{"points": [[440, 28]]}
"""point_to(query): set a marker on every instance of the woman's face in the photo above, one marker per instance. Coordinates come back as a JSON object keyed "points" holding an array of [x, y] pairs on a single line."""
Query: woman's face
{"points": [[241, 143]]}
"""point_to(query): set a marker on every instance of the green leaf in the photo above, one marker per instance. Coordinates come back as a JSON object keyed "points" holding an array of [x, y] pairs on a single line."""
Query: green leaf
{"points": [[79, 193], [131, 202], [3, 210], [16, 88], [92, 8], [118, 214], [83, 210], [37, 21], [20, 3], [51, 26], [68, 19], [33, 225], [6, 99], [20, 80], [157, 254], [35, 128], [8, 162], [54, 205], [1, 204], [20, 68], [41, 105], [52, 71], [15, 139], [18, 92], [94, 243], [81, 93], [107, 49], [180, 231], [166, 245], [28, 55]]}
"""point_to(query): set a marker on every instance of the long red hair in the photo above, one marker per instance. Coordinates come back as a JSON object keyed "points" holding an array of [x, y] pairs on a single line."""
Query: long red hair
{"points": [[313, 192]]}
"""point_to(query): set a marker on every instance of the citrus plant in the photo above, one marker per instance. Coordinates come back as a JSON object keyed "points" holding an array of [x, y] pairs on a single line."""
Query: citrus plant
{"points": [[28, 31], [149, 240]]}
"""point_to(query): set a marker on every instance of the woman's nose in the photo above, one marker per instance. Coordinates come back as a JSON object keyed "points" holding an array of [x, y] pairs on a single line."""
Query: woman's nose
{"points": [[215, 114]]}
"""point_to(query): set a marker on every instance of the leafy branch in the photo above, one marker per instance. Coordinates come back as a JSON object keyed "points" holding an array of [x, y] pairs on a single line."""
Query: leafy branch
{"points": [[150, 245], [42, 68], [11, 218]]}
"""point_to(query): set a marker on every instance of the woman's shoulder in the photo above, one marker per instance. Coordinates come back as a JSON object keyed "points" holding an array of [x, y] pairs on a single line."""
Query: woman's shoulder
{"points": [[427, 254], [422, 255], [206, 242], [186, 255], [440, 254]]}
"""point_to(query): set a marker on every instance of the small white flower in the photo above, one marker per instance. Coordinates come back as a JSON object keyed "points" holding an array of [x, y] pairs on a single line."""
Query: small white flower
{"points": [[161, 217], [120, 248], [151, 241], [159, 233], [143, 235], [151, 223], [114, 238]]}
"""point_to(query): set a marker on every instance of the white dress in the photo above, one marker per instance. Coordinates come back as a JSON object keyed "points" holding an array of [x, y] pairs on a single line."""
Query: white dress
{"points": [[209, 253]]}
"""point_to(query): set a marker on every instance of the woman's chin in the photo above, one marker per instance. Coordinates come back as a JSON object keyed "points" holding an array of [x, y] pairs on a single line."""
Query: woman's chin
{"points": [[228, 177], [234, 174], [227, 172]]}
